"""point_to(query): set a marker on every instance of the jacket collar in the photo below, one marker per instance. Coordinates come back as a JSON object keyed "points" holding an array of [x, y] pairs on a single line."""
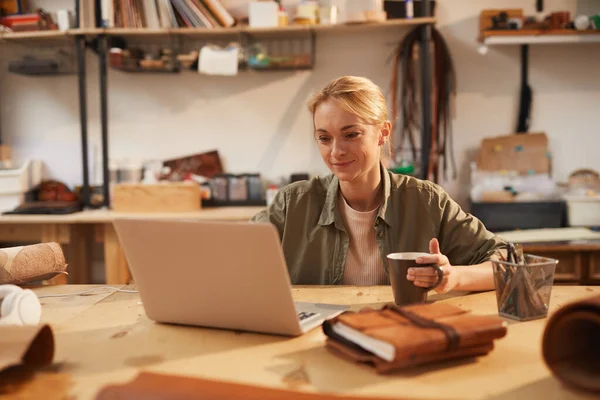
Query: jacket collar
{"points": [[330, 213]]}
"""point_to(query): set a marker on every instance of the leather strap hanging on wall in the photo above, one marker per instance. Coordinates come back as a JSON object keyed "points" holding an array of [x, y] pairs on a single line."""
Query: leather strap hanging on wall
{"points": [[404, 101], [526, 93]]}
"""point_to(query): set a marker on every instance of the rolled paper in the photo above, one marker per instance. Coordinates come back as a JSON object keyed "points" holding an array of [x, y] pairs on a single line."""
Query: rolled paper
{"points": [[570, 344], [37, 262]]}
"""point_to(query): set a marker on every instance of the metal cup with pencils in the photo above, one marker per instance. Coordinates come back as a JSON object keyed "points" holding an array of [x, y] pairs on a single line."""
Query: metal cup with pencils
{"points": [[523, 284]]}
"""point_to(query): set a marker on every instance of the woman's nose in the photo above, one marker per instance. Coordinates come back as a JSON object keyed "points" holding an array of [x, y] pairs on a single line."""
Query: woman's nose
{"points": [[338, 149]]}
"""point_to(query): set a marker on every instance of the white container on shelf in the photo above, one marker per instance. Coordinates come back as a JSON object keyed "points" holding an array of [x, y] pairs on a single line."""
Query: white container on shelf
{"points": [[15, 182], [11, 201], [22, 179], [583, 210]]}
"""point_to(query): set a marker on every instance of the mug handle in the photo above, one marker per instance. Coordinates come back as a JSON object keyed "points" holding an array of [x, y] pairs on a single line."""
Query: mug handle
{"points": [[440, 273]]}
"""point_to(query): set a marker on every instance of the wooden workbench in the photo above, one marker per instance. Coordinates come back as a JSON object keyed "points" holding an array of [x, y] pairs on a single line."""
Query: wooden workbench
{"points": [[80, 230], [579, 261], [107, 338]]}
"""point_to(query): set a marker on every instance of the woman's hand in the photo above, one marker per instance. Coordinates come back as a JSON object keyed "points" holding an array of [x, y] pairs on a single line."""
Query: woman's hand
{"points": [[427, 276]]}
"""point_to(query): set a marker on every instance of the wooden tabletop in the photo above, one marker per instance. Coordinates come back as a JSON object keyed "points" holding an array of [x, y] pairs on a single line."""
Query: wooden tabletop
{"points": [[107, 338], [106, 216]]}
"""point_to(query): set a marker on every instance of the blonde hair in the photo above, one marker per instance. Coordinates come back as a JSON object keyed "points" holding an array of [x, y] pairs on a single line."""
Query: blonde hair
{"points": [[357, 95]]}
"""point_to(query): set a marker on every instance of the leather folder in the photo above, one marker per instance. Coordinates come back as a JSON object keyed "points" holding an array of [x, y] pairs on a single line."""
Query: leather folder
{"points": [[394, 337], [570, 344]]}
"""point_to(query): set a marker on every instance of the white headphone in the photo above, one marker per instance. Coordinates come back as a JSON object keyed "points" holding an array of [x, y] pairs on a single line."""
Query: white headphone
{"points": [[19, 306]]}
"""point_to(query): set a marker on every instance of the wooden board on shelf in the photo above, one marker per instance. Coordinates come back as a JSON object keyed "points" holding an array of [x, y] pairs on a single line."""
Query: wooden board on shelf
{"points": [[156, 198]]}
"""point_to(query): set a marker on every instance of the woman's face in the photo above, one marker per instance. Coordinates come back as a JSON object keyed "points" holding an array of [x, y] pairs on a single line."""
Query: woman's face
{"points": [[349, 147]]}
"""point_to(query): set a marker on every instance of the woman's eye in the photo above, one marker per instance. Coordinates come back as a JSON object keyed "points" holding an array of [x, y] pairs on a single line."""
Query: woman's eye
{"points": [[323, 139], [352, 135]]}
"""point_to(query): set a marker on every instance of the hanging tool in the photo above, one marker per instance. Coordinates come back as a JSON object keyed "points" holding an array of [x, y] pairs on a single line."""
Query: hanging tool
{"points": [[405, 106], [524, 119]]}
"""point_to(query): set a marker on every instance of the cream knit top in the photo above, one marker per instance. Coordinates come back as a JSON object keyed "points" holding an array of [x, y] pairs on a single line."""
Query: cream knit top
{"points": [[364, 265]]}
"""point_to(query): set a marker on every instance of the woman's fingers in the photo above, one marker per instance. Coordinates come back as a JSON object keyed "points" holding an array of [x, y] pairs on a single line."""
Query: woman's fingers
{"points": [[425, 271], [438, 259]]}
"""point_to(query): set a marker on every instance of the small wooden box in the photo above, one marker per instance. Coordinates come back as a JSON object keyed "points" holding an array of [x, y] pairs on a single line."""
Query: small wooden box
{"points": [[160, 197]]}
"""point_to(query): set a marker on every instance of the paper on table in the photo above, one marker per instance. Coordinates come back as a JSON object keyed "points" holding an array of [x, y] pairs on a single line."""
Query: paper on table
{"points": [[549, 235], [214, 60], [29, 345]]}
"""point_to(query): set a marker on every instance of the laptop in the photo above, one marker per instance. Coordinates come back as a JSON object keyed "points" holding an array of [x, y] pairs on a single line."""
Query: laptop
{"points": [[226, 275]]}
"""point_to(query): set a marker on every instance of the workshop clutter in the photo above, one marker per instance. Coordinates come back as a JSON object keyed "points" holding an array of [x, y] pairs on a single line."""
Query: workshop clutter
{"points": [[511, 21], [186, 184], [225, 56], [512, 187]]}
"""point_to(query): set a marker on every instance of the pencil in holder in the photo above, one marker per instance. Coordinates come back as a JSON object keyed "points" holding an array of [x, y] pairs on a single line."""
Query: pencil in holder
{"points": [[523, 286]]}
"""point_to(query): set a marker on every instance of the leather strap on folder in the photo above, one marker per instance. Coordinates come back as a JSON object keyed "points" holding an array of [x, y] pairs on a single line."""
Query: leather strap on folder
{"points": [[450, 332]]}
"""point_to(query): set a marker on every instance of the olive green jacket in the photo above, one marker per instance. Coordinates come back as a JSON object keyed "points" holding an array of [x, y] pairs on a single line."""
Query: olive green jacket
{"points": [[315, 242]]}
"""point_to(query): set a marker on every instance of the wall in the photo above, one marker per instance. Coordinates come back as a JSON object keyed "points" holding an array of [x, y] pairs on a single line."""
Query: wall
{"points": [[259, 122]]}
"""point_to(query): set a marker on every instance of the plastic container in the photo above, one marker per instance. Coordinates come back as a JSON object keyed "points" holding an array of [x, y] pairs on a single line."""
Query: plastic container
{"points": [[523, 291], [583, 210], [21, 180], [271, 192]]}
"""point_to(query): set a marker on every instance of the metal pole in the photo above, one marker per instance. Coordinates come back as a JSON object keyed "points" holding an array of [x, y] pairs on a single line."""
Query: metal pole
{"points": [[425, 91], [80, 47], [102, 50]]}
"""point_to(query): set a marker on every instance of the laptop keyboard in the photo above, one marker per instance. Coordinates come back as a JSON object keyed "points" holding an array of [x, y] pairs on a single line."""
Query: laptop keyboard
{"points": [[302, 315]]}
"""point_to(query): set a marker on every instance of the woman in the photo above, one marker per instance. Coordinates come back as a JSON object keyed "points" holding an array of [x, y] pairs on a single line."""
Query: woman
{"points": [[339, 229]]}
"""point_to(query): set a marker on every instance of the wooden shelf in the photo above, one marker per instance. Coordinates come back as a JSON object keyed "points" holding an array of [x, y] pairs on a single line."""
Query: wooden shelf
{"points": [[539, 37], [390, 23], [55, 34]]}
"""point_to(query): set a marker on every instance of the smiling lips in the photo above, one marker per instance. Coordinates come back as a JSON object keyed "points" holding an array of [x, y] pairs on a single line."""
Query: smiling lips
{"points": [[342, 165]]}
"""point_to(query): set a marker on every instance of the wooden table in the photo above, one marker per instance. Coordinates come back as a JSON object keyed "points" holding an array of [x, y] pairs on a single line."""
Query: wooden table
{"points": [[80, 230], [107, 338]]}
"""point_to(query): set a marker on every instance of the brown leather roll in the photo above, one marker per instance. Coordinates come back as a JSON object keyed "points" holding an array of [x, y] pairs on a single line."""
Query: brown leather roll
{"points": [[571, 347], [37, 262]]}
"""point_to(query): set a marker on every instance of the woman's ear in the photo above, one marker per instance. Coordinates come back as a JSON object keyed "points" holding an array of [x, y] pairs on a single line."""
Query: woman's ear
{"points": [[384, 134]]}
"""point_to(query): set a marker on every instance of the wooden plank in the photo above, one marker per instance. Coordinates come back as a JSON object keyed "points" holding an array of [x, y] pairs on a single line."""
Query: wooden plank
{"points": [[103, 216], [29, 233], [161, 197], [214, 214], [112, 340], [594, 267], [33, 35], [277, 30], [79, 253], [38, 219], [540, 32]]}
